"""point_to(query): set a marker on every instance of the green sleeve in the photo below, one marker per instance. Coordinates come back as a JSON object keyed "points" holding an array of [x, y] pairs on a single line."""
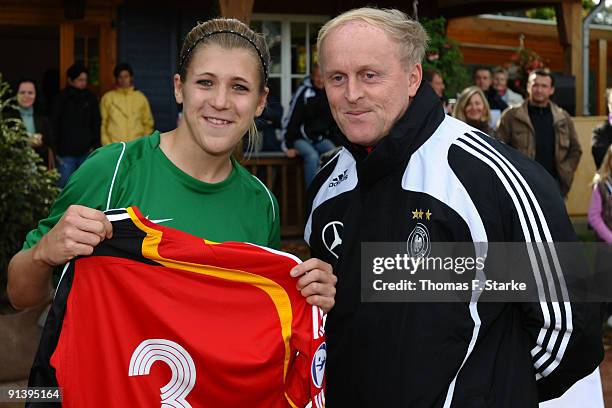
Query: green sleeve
{"points": [[274, 238], [89, 186]]}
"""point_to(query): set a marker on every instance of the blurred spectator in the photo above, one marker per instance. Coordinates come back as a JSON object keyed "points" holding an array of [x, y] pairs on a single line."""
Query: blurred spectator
{"points": [[543, 131], [434, 78], [268, 123], [602, 135], [126, 114], [36, 124], [76, 123], [500, 84], [600, 209], [472, 108], [483, 78], [309, 124]]}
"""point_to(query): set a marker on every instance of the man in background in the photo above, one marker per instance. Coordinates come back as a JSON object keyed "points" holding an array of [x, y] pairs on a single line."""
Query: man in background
{"points": [[76, 123], [500, 84], [543, 131], [483, 78], [308, 127]]}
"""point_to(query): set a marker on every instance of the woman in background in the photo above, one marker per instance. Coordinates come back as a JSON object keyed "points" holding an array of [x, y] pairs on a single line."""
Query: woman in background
{"points": [[36, 124], [472, 108]]}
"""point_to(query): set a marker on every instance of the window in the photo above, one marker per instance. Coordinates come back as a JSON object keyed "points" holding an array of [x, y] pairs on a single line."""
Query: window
{"points": [[293, 48]]}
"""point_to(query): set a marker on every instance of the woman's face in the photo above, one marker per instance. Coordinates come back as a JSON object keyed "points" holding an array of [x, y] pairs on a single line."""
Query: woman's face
{"points": [[26, 95], [220, 96], [474, 108]]}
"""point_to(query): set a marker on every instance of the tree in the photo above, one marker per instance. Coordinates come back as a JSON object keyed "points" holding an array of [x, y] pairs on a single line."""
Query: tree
{"points": [[27, 188], [444, 55]]}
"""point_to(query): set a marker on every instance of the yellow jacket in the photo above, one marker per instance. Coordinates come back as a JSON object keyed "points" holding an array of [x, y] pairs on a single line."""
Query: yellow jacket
{"points": [[126, 115]]}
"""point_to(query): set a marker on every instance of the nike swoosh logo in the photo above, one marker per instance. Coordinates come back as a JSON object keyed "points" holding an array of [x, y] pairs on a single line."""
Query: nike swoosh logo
{"points": [[159, 221]]}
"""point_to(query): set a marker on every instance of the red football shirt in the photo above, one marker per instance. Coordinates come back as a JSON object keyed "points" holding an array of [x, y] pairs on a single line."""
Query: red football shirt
{"points": [[158, 317]]}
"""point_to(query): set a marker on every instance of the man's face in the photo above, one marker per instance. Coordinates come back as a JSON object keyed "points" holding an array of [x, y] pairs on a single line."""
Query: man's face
{"points": [[482, 79], [437, 83], [368, 87], [540, 89], [124, 79], [79, 82], [500, 81]]}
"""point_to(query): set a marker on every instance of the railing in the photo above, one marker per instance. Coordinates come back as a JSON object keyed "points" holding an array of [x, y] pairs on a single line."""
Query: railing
{"points": [[285, 178]]}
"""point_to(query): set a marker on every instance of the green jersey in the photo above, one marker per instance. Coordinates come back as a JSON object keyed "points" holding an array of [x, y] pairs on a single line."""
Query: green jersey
{"points": [[138, 173]]}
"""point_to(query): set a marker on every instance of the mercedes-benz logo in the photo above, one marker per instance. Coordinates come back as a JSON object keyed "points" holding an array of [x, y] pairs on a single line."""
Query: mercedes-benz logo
{"points": [[332, 237]]}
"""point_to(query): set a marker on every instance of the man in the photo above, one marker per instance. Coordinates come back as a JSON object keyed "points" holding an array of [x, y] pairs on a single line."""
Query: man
{"points": [[126, 114], [483, 80], [543, 131], [407, 169], [308, 127], [76, 123], [435, 80], [602, 135], [500, 84]]}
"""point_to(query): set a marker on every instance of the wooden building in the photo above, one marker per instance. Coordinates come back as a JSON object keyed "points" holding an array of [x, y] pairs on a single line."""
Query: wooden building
{"points": [[41, 38]]}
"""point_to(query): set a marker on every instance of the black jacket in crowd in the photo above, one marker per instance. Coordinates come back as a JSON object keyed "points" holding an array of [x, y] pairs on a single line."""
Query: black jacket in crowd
{"points": [[76, 122], [601, 141], [463, 186], [495, 100], [309, 116]]}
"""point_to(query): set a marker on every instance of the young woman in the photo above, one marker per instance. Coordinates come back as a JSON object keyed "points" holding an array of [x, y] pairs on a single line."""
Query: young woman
{"points": [[36, 125], [472, 108], [185, 178]]}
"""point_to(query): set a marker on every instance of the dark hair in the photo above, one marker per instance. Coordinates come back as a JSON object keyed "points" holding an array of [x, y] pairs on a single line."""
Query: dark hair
{"points": [[481, 68], [24, 80], [544, 73], [429, 74], [124, 66], [227, 33], [75, 70]]}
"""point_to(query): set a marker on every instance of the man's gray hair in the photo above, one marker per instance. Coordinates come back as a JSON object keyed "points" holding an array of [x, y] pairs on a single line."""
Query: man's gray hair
{"points": [[409, 34]]}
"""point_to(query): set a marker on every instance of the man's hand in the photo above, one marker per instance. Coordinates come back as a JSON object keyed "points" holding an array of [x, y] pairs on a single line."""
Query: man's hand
{"points": [[77, 233], [291, 153], [317, 283]]}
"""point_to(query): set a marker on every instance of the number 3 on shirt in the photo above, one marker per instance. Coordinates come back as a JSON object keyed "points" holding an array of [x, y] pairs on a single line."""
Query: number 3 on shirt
{"points": [[177, 358]]}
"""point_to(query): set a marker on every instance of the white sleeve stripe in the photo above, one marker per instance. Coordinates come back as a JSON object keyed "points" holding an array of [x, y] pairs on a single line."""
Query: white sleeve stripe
{"points": [[541, 218], [277, 252], [524, 225], [557, 313], [504, 163], [61, 277], [269, 196], [110, 191]]}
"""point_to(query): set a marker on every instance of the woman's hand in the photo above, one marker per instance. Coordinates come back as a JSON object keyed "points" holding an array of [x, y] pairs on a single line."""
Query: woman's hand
{"points": [[77, 233], [317, 283]]}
